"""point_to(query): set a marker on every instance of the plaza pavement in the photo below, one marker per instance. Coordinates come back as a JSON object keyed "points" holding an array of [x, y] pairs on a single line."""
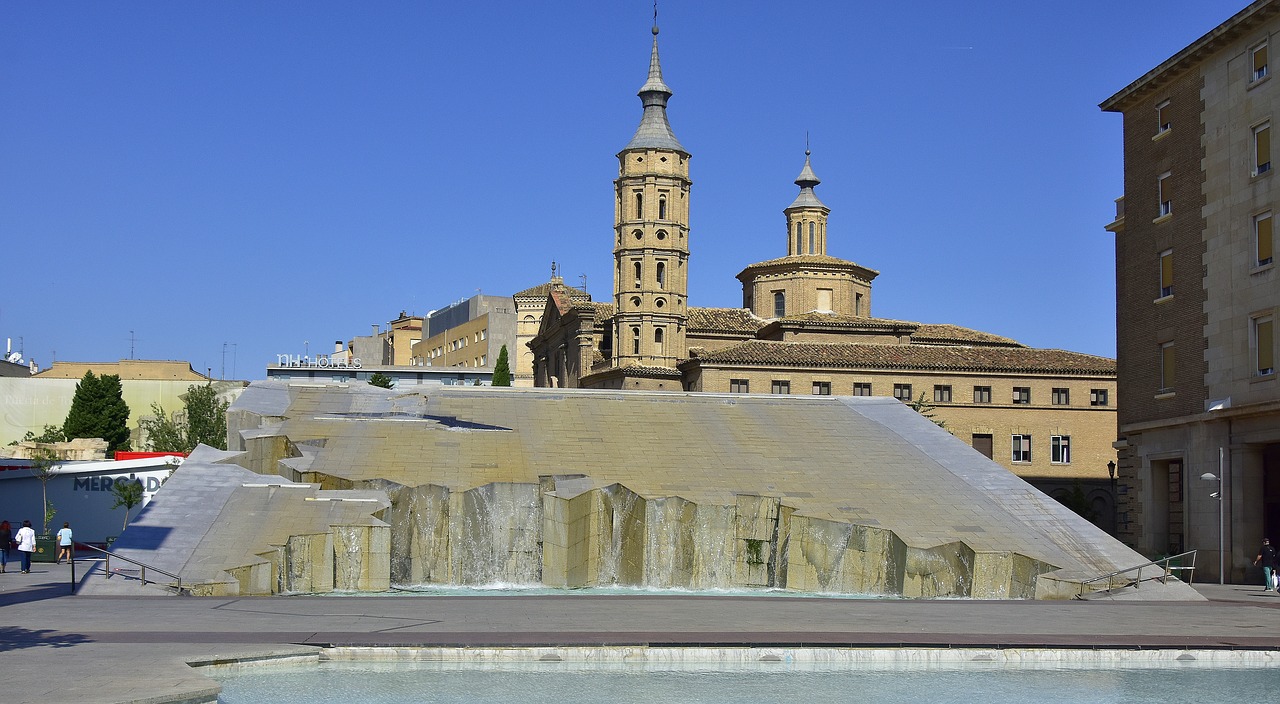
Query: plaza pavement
{"points": [[135, 645]]}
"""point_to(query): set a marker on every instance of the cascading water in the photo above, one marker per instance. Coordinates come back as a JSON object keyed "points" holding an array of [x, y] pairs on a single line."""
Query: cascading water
{"points": [[497, 540], [348, 557]]}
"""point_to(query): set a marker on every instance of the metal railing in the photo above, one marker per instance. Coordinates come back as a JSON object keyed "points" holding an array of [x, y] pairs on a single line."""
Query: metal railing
{"points": [[142, 565], [1136, 582]]}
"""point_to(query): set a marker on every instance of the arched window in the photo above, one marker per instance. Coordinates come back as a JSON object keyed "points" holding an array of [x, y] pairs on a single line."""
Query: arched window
{"points": [[635, 340], [779, 304], [662, 208], [658, 339], [811, 240], [639, 206], [638, 272], [799, 244], [662, 275]]}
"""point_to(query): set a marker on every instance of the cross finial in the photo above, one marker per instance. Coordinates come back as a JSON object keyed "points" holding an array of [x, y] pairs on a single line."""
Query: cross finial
{"points": [[655, 16]]}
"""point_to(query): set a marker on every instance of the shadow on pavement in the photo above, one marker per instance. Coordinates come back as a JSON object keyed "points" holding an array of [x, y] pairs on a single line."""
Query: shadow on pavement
{"points": [[15, 637]]}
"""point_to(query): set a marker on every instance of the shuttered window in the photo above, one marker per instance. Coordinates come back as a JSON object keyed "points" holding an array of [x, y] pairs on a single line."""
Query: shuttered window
{"points": [[1264, 343], [1262, 148], [1259, 62], [1166, 367], [1166, 273]]}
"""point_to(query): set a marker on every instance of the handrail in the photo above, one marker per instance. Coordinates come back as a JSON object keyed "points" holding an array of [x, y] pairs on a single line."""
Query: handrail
{"points": [[1166, 568], [143, 565]]}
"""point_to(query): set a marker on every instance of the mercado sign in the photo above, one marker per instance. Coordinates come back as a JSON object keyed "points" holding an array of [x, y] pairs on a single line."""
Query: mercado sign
{"points": [[321, 361]]}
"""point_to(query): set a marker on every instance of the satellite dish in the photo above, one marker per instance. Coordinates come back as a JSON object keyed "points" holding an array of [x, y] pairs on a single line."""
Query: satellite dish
{"points": [[15, 357]]}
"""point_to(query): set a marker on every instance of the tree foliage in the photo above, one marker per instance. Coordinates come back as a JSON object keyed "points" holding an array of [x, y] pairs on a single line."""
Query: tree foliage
{"points": [[42, 464], [381, 380], [98, 410], [128, 494], [204, 422], [50, 434], [502, 369], [926, 409]]}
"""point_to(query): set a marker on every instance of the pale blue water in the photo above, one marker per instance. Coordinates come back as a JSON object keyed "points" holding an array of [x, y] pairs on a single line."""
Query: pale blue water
{"points": [[572, 683]]}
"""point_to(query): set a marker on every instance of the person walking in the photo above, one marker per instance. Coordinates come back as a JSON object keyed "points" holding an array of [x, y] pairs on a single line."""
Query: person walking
{"points": [[6, 542], [1267, 558], [65, 543], [26, 545]]}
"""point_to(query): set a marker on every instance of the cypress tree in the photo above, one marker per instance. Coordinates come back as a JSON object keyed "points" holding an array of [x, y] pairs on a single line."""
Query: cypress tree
{"points": [[98, 410], [502, 369]]}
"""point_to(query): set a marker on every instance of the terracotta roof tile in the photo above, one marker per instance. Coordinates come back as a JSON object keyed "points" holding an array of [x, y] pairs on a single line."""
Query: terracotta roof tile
{"points": [[730, 320], [545, 289], [921, 333], [872, 356]]}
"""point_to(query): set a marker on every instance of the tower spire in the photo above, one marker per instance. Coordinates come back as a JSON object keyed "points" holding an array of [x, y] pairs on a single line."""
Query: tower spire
{"points": [[654, 131], [807, 216]]}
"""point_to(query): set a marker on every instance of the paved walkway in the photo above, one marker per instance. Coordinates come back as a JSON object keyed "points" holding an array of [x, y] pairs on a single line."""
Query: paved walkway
{"points": [[135, 647]]}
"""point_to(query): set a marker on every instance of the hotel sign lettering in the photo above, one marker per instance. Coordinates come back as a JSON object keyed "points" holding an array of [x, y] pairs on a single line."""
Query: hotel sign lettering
{"points": [[322, 361]]}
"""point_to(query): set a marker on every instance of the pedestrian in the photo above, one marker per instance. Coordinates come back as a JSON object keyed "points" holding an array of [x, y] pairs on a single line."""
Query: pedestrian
{"points": [[26, 545], [1267, 558], [6, 542], [65, 544]]}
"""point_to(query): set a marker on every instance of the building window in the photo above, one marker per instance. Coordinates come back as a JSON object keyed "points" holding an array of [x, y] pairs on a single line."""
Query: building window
{"points": [[902, 392], [1263, 238], [1259, 62], [1264, 344], [662, 275], [1022, 395], [1262, 148], [982, 394], [1062, 397], [1166, 273], [813, 246], [1164, 194], [662, 208], [1162, 118], [1166, 367], [484, 359], [635, 340], [780, 387], [857, 304], [779, 304], [862, 388], [739, 386], [658, 340], [984, 443], [639, 206], [638, 273], [942, 394], [1098, 397], [799, 244], [821, 388], [1021, 448], [1060, 449]]}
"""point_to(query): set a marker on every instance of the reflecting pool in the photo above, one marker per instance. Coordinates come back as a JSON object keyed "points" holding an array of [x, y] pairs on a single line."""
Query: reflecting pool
{"points": [[573, 683]]}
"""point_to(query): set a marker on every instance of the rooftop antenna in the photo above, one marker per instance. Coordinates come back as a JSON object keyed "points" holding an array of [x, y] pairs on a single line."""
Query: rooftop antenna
{"points": [[132, 339], [553, 269], [584, 282]]}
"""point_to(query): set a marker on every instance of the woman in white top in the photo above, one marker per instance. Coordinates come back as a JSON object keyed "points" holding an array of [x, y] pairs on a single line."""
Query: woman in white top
{"points": [[26, 545]]}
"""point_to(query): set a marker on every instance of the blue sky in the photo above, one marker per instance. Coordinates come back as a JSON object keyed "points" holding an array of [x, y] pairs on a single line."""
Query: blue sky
{"points": [[274, 175]]}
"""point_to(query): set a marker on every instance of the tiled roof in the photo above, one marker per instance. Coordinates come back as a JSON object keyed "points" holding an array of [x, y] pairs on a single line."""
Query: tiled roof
{"points": [[921, 333], [636, 370], [808, 259], [731, 320], [602, 310], [544, 289], [943, 332], [872, 356]]}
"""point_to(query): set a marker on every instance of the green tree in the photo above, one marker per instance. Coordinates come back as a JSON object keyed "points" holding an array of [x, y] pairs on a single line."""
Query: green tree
{"points": [[502, 369], [926, 409], [128, 494], [98, 410], [381, 380], [204, 422], [206, 417], [42, 464], [50, 433]]}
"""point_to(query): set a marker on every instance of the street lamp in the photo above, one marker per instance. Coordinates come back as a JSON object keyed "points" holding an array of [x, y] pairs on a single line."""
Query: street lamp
{"points": [[1115, 499], [1211, 477]]}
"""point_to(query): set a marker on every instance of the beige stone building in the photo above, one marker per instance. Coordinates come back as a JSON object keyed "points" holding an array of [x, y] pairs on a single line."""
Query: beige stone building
{"points": [[530, 305], [806, 327], [1196, 298]]}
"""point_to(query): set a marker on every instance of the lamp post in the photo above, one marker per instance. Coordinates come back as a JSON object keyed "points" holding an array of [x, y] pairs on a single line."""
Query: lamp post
{"points": [[1211, 477], [1115, 499]]}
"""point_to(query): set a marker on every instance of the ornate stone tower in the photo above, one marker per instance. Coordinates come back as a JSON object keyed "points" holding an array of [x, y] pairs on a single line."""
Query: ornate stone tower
{"points": [[651, 236]]}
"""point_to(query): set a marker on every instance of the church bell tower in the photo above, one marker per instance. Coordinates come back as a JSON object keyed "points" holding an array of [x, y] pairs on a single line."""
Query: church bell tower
{"points": [[651, 236]]}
